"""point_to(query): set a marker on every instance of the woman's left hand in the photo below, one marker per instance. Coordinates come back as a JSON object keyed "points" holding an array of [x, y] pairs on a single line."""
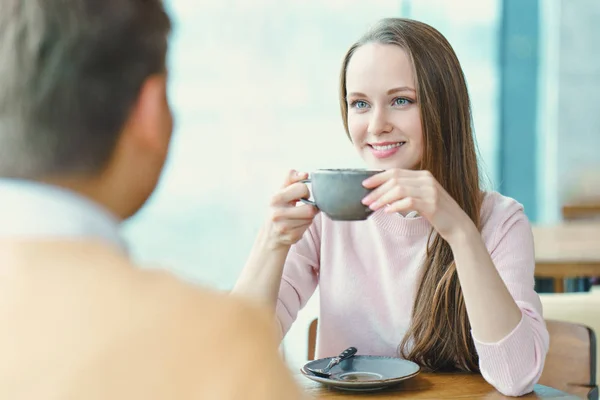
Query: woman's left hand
{"points": [[400, 190]]}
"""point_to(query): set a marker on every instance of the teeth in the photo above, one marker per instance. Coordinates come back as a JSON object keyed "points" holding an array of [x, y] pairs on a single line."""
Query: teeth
{"points": [[387, 147]]}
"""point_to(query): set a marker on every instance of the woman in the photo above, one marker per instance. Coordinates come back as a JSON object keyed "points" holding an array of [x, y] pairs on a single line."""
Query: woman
{"points": [[442, 272]]}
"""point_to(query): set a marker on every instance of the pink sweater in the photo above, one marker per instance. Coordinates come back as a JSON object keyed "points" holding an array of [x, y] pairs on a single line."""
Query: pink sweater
{"points": [[367, 273]]}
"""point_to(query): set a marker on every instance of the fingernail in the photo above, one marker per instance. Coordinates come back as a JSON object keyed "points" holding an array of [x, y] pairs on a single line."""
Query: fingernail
{"points": [[374, 206]]}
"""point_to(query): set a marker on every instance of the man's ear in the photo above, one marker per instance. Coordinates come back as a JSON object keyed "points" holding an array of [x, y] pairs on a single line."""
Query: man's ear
{"points": [[150, 120]]}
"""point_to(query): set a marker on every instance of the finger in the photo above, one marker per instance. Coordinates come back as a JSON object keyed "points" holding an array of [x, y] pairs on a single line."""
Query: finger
{"points": [[294, 176], [375, 194], [293, 225], [290, 195], [382, 177], [302, 213], [403, 205], [412, 181], [395, 194]]}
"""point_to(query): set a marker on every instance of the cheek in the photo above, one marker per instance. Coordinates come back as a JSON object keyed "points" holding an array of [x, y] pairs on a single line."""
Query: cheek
{"points": [[357, 129], [418, 134], [409, 122], [415, 132]]}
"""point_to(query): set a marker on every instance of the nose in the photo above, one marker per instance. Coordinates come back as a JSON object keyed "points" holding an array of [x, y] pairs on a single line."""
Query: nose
{"points": [[379, 122]]}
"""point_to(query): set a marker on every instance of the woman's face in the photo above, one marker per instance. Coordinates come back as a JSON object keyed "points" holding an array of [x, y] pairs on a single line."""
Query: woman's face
{"points": [[384, 119]]}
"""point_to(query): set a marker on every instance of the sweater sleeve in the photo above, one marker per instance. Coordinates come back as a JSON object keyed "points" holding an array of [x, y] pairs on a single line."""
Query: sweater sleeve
{"points": [[300, 276], [514, 364]]}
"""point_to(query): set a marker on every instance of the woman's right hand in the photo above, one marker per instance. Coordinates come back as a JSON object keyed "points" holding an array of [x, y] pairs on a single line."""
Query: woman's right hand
{"points": [[287, 222], [261, 277]]}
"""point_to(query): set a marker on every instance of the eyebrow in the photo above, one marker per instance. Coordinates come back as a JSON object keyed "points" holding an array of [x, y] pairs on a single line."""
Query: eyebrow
{"points": [[391, 91]]}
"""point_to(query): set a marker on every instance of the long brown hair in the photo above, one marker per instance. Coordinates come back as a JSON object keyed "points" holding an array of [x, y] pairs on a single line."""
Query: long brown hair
{"points": [[439, 337]]}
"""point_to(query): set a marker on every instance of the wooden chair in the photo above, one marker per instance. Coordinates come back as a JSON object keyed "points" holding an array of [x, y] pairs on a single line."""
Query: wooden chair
{"points": [[571, 361], [312, 339], [581, 308]]}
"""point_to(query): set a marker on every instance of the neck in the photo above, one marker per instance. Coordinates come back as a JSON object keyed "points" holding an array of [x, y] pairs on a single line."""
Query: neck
{"points": [[96, 188]]}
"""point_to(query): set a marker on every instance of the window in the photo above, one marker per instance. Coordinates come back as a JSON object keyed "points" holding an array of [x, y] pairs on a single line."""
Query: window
{"points": [[254, 89]]}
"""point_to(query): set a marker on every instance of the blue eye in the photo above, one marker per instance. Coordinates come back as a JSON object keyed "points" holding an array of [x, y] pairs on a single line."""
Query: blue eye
{"points": [[359, 104], [401, 101]]}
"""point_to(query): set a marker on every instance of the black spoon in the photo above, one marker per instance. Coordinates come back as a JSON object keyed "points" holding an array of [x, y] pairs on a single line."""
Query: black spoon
{"points": [[324, 373]]}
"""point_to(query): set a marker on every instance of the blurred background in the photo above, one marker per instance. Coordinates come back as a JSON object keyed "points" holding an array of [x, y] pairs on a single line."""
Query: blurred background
{"points": [[254, 88]]}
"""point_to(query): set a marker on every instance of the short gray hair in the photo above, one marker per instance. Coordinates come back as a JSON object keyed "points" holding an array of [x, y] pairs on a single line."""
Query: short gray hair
{"points": [[70, 71]]}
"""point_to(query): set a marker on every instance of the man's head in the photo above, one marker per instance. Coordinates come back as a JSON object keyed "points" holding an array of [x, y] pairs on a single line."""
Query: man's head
{"points": [[83, 99]]}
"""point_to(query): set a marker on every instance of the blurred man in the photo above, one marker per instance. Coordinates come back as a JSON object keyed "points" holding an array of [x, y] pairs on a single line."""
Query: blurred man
{"points": [[85, 127]]}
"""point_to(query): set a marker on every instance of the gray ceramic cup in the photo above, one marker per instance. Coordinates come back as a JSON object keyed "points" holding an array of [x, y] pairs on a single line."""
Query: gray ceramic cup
{"points": [[339, 192]]}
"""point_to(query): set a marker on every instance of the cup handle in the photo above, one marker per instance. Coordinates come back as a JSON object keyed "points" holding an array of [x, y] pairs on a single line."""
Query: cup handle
{"points": [[307, 201]]}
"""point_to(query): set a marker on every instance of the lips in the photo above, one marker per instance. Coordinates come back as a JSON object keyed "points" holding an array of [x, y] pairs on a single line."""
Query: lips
{"points": [[386, 146], [386, 149]]}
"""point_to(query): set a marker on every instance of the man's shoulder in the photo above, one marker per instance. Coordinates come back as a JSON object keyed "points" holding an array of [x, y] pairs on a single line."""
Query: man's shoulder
{"points": [[207, 311], [203, 330]]}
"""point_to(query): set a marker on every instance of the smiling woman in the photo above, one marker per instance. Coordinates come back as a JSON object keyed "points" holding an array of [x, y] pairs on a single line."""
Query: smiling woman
{"points": [[442, 272], [414, 55], [273, 66]]}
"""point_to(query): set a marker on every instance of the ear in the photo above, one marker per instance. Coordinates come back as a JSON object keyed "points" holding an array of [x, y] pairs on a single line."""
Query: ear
{"points": [[150, 121]]}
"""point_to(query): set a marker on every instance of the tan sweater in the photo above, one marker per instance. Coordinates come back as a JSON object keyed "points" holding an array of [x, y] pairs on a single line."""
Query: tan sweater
{"points": [[79, 321]]}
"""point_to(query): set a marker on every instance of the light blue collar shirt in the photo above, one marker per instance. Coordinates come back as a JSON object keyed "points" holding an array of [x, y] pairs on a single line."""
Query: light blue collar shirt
{"points": [[35, 210]]}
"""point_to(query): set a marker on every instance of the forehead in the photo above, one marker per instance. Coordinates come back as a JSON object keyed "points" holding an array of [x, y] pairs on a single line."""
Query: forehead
{"points": [[378, 67]]}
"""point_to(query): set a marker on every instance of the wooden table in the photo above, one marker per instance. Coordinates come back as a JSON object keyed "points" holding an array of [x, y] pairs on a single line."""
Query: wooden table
{"points": [[567, 250], [430, 386]]}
